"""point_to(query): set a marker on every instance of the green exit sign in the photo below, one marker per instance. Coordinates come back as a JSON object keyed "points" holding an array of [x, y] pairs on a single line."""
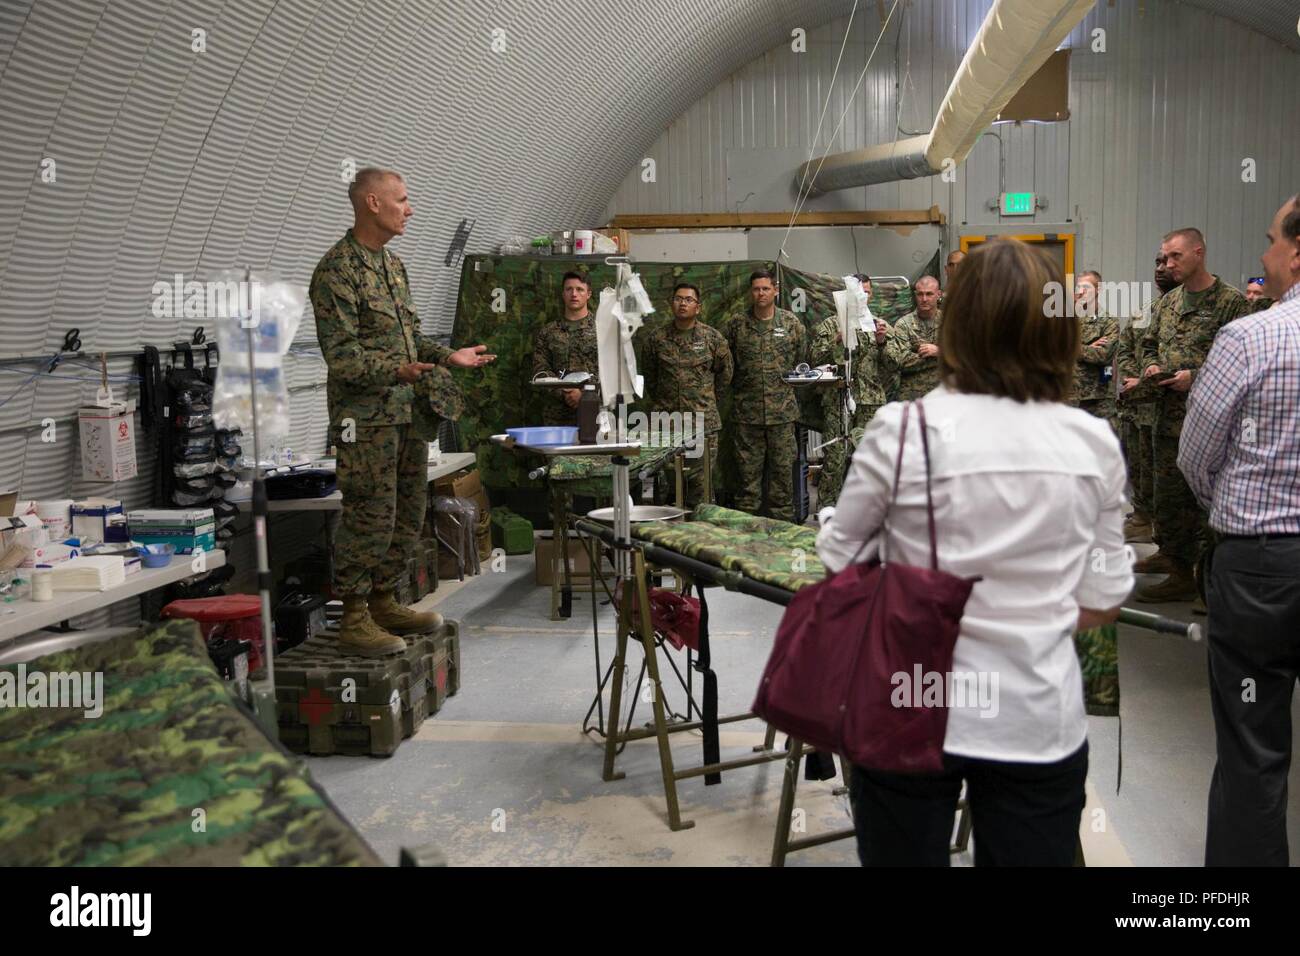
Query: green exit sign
{"points": [[1018, 204]]}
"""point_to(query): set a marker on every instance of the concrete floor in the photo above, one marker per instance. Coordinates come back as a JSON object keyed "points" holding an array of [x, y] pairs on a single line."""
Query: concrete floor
{"points": [[504, 776]]}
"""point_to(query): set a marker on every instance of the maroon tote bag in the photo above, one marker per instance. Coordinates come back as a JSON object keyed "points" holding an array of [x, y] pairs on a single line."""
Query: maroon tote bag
{"points": [[830, 678]]}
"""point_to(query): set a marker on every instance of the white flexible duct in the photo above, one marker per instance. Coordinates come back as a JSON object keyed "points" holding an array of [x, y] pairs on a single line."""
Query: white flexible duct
{"points": [[1015, 40]]}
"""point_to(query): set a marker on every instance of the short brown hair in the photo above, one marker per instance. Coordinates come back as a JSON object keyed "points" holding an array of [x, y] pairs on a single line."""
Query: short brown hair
{"points": [[998, 335], [1190, 233], [1291, 221]]}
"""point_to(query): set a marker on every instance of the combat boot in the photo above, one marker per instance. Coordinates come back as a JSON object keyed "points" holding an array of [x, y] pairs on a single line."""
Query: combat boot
{"points": [[1158, 563], [360, 635], [1179, 586], [1137, 528], [391, 616]]}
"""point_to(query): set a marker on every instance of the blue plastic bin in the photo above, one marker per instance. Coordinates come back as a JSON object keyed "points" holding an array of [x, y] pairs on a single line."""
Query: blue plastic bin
{"points": [[545, 435]]}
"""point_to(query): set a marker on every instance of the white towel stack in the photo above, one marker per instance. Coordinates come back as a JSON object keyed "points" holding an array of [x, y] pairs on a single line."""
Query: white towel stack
{"points": [[97, 572]]}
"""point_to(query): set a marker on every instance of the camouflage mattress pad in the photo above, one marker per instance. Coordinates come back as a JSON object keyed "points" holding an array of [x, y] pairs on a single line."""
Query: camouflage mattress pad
{"points": [[123, 788]]}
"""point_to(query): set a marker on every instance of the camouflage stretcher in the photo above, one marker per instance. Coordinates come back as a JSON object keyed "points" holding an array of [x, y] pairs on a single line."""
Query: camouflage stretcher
{"points": [[122, 789], [774, 552], [593, 475], [784, 555]]}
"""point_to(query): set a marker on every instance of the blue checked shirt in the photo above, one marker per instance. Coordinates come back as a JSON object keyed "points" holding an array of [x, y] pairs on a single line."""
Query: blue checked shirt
{"points": [[1240, 447]]}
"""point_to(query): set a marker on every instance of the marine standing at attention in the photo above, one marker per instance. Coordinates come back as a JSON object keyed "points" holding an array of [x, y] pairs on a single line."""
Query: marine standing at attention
{"points": [[766, 342], [370, 337], [564, 345], [686, 366]]}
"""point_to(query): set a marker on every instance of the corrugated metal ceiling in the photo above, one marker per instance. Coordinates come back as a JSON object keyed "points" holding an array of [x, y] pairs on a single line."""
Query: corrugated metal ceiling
{"points": [[1279, 19]]}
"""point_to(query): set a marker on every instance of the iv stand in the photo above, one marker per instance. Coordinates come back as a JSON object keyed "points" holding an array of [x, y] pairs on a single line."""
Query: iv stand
{"points": [[259, 504]]}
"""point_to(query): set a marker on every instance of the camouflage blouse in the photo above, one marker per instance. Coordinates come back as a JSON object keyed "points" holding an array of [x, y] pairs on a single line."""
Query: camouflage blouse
{"points": [[367, 328]]}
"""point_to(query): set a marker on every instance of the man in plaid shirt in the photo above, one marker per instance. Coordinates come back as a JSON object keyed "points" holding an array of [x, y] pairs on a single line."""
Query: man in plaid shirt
{"points": [[1240, 453]]}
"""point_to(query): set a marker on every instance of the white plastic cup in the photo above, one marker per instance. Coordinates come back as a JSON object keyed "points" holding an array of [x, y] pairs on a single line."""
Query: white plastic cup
{"points": [[582, 242]]}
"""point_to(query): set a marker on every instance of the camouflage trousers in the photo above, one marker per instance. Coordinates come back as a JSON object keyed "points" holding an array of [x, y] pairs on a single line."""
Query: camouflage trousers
{"points": [[693, 480], [383, 476], [765, 456], [836, 457], [1176, 512], [1138, 447]]}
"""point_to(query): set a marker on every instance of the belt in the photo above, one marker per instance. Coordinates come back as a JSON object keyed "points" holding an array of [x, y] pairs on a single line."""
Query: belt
{"points": [[1257, 537]]}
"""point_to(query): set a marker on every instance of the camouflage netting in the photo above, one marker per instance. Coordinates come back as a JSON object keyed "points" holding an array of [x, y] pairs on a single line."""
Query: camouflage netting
{"points": [[785, 556], [120, 790], [499, 396]]}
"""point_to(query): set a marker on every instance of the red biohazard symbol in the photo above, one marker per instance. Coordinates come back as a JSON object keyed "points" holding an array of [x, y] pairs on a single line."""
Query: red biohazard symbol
{"points": [[314, 706], [122, 429]]}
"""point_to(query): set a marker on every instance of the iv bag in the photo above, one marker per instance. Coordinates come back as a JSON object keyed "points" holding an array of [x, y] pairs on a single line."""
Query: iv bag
{"points": [[264, 315]]}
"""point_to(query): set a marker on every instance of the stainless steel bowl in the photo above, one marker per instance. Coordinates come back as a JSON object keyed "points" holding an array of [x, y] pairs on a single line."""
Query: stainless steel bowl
{"points": [[640, 513]]}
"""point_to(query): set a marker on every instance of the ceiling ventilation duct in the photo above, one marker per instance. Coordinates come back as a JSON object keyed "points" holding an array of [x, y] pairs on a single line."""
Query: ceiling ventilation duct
{"points": [[1016, 38]]}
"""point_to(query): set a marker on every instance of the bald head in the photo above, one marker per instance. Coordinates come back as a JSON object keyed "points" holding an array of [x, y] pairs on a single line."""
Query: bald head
{"points": [[954, 260], [379, 205], [926, 293]]}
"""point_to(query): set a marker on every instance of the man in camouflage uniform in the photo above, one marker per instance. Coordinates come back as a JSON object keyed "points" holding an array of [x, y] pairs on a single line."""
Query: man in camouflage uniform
{"points": [[913, 343], [1098, 340], [1178, 341], [870, 373], [1257, 297], [370, 338], [567, 344], [686, 366], [1137, 419], [765, 342]]}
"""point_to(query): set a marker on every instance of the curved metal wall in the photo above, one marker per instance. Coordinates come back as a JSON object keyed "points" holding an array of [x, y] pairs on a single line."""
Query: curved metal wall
{"points": [[172, 161]]}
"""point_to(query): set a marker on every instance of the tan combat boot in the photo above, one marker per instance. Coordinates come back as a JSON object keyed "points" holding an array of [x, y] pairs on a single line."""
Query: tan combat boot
{"points": [[391, 616], [360, 635], [1158, 563], [1179, 586], [1137, 528]]}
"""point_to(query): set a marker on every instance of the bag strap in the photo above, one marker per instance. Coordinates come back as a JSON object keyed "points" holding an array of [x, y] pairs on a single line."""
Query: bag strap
{"points": [[929, 497]]}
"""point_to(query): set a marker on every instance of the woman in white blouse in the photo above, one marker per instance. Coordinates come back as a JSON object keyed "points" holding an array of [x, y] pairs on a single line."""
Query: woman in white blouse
{"points": [[1029, 495]]}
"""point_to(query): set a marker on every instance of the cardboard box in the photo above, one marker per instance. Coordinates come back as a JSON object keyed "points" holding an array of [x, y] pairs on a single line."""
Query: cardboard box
{"points": [[547, 559], [463, 484], [620, 237], [99, 519], [107, 441]]}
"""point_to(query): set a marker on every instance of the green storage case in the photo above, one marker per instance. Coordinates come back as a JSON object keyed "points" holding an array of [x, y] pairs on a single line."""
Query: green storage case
{"points": [[331, 702], [511, 532]]}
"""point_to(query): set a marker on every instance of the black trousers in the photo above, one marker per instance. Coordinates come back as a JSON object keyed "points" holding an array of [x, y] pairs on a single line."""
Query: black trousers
{"points": [[1254, 650], [1022, 814]]}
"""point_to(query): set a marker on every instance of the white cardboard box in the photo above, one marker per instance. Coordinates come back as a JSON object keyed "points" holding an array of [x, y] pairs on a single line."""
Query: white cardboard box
{"points": [[107, 441]]}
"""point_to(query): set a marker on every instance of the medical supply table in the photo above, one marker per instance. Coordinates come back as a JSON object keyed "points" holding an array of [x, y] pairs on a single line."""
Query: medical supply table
{"points": [[25, 615], [448, 464]]}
